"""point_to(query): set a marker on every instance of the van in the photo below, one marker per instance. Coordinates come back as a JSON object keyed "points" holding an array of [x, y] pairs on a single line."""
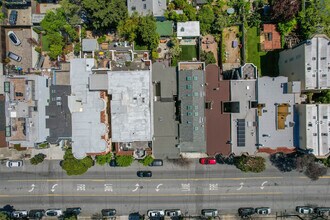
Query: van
{"points": [[14, 56], [13, 17]]}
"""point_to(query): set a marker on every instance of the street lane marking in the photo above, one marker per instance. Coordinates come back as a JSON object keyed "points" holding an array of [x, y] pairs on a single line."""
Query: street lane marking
{"points": [[108, 188], [262, 185], [32, 188], [143, 195], [81, 187], [137, 187], [157, 188], [241, 186], [213, 187], [149, 180], [53, 187], [185, 187]]}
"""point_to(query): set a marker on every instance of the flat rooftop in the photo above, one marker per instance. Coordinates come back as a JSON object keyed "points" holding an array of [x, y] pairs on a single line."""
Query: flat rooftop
{"points": [[272, 93], [217, 122], [131, 108]]}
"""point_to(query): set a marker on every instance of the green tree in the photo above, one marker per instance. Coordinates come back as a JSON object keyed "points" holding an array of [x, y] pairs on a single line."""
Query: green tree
{"points": [[175, 49], [147, 34], [190, 12], [105, 13], [147, 160], [2, 17], [77, 48], [323, 97], [250, 164], [55, 50], [38, 158], [73, 166], [72, 10], [103, 159], [287, 27], [206, 18], [4, 216], [128, 28], [221, 21], [70, 217], [208, 57], [124, 161]]}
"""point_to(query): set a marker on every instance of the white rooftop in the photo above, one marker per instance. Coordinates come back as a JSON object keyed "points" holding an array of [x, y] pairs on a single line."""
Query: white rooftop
{"points": [[130, 105], [188, 29]]}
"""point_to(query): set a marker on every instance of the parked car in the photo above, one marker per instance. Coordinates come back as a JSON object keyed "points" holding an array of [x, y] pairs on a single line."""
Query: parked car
{"points": [[173, 212], [108, 212], [263, 210], [322, 210], [13, 17], [36, 213], [14, 163], [246, 211], [53, 212], [14, 56], [13, 38], [156, 163], [113, 163], [304, 209], [144, 173], [207, 161], [156, 213], [209, 212], [19, 214], [73, 211]]}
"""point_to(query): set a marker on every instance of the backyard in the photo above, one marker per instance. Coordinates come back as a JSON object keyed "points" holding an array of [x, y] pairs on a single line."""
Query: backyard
{"points": [[188, 52], [266, 62]]}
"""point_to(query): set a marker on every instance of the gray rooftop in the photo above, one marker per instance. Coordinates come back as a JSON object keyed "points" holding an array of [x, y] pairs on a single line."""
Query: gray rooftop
{"points": [[89, 45], [243, 124], [145, 7], [272, 92], [85, 107], [192, 96], [59, 121], [165, 142], [98, 82], [188, 29], [131, 106]]}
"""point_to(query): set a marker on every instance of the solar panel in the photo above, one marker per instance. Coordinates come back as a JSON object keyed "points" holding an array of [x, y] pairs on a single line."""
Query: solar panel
{"points": [[240, 132]]}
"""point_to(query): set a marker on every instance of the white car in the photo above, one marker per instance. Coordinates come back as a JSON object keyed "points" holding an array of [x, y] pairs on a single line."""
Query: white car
{"points": [[13, 38], [173, 212], [54, 212], [304, 209], [14, 163], [263, 210], [19, 214], [209, 213], [156, 213]]}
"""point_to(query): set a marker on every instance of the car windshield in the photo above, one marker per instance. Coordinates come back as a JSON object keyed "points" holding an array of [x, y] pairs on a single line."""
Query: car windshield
{"points": [[13, 38]]}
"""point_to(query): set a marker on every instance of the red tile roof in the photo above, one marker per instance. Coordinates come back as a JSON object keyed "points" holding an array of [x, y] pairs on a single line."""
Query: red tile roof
{"points": [[275, 42], [217, 124]]}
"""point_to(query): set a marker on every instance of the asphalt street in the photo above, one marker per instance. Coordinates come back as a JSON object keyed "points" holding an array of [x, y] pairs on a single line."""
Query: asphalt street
{"points": [[190, 189]]}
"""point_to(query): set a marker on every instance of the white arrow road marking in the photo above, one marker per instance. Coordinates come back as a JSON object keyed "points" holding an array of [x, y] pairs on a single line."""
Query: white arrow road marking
{"points": [[157, 188], [262, 185], [32, 188], [53, 187], [137, 187], [241, 186]]}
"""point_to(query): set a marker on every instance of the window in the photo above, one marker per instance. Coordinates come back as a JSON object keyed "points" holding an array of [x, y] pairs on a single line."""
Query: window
{"points": [[188, 86], [182, 29], [314, 58], [309, 68], [323, 58], [196, 107], [189, 107], [188, 78], [133, 8], [314, 134], [144, 6], [195, 94], [324, 134], [196, 114], [325, 117], [195, 78], [196, 128], [189, 113]]}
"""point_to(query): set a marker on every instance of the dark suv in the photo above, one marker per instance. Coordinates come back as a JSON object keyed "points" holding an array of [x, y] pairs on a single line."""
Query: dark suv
{"points": [[108, 212], [13, 17], [246, 211], [36, 214]]}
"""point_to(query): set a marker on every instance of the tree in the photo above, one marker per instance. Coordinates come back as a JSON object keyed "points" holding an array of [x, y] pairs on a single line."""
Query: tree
{"points": [[315, 170], [55, 50], [124, 161], [4, 216], [147, 34], [304, 161], [128, 28], [74, 166], [2, 17], [323, 97], [104, 14], [190, 12], [283, 162], [103, 159], [208, 57], [175, 49], [284, 10], [70, 217], [206, 18], [286, 28], [250, 164], [38, 158], [72, 10], [77, 48], [147, 160], [221, 21], [254, 19]]}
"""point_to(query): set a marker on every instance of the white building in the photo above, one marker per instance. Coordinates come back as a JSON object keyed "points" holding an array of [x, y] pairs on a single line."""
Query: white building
{"points": [[308, 62], [188, 29], [314, 128]]}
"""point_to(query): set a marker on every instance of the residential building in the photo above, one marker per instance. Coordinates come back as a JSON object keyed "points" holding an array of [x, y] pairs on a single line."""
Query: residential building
{"points": [[308, 62], [166, 126], [270, 38], [275, 109], [314, 128], [164, 28], [191, 97], [145, 7], [26, 99], [188, 29], [89, 45]]}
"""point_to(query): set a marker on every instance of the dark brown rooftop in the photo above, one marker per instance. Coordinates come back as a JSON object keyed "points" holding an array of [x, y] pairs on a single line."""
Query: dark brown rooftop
{"points": [[217, 123]]}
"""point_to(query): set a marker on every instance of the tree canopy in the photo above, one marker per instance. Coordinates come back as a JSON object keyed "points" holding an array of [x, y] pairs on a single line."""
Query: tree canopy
{"points": [[4, 216], [284, 10], [147, 160], [103, 159], [206, 18], [207, 57], [73, 166], [125, 160], [250, 164]]}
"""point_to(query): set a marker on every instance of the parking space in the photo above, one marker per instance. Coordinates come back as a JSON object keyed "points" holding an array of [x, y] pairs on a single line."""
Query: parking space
{"points": [[23, 16], [24, 49]]}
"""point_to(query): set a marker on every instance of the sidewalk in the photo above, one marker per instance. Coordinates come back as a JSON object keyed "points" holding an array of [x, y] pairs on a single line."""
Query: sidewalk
{"points": [[53, 153]]}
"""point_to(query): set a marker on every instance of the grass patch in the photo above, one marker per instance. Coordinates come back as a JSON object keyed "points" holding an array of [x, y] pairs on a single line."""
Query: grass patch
{"points": [[188, 52], [140, 47], [45, 43], [266, 62]]}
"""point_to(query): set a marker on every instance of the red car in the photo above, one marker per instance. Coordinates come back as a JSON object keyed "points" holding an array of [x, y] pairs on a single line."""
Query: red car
{"points": [[207, 160]]}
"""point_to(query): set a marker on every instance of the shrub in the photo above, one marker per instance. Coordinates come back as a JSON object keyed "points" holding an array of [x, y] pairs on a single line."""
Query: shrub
{"points": [[315, 170], [73, 166], [147, 160], [102, 39], [124, 161], [38, 158], [103, 159], [250, 164], [284, 162]]}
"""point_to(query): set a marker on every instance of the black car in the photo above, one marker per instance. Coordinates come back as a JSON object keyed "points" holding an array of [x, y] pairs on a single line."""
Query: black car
{"points": [[73, 211], [36, 213], [144, 173], [246, 211], [113, 163], [108, 212], [13, 17], [156, 163]]}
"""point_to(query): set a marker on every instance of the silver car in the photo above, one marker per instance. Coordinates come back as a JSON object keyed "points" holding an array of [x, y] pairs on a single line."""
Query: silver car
{"points": [[19, 214], [263, 210], [13, 38], [209, 212], [14, 163], [304, 209]]}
